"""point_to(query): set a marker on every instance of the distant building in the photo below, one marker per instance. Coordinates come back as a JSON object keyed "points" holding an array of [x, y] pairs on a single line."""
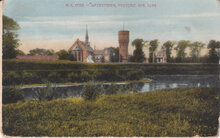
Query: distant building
{"points": [[37, 57], [106, 53], [82, 51], [160, 57], [123, 39], [98, 55], [147, 60]]}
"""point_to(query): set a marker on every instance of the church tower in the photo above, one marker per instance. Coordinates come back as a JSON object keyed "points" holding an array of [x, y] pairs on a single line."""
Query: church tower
{"points": [[87, 36]]}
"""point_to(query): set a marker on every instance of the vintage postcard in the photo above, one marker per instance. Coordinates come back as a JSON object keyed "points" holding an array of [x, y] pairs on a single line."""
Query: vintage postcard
{"points": [[119, 68]]}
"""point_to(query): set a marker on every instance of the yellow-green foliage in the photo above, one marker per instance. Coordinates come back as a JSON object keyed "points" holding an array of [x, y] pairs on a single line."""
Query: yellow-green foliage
{"points": [[179, 112]]}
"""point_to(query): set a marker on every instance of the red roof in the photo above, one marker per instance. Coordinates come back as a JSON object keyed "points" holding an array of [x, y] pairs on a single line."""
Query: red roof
{"points": [[37, 57]]}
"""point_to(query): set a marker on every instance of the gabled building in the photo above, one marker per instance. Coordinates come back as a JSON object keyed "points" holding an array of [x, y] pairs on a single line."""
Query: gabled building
{"points": [[160, 57], [98, 55], [108, 54], [82, 51]]}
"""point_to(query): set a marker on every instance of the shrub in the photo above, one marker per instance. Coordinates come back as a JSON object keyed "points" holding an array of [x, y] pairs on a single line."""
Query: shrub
{"points": [[84, 75], [48, 93], [29, 77], [54, 77], [11, 95], [135, 75], [11, 78], [113, 89], [91, 92], [73, 77]]}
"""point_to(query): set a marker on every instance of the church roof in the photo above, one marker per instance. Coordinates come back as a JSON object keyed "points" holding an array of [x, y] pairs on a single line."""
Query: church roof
{"points": [[76, 48], [78, 45], [87, 46]]}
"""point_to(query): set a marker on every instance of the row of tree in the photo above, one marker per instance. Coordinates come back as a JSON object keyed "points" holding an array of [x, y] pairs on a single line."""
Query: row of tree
{"points": [[11, 43], [180, 48]]}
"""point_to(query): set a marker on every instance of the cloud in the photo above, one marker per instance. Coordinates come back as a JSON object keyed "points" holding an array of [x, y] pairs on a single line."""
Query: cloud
{"points": [[209, 14], [94, 22]]}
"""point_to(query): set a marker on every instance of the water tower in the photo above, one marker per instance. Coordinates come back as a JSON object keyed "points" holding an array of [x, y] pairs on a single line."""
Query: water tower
{"points": [[123, 39]]}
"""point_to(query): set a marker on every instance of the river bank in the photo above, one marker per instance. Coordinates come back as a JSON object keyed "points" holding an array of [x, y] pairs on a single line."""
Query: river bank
{"points": [[178, 112]]}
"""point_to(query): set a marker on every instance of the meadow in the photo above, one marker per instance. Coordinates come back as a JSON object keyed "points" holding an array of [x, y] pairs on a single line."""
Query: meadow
{"points": [[177, 112]]}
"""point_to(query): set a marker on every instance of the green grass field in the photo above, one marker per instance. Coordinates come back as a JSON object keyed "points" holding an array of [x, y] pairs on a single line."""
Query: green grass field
{"points": [[178, 112]]}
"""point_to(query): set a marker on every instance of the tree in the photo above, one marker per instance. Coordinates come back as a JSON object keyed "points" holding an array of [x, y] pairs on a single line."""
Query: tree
{"points": [[115, 56], [213, 54], [138, 54], [64, 55], [196, 48], [10, 38], [180, 48], [103, 59], [19, 52], [152, 48], [41, 52], [168, 46]]}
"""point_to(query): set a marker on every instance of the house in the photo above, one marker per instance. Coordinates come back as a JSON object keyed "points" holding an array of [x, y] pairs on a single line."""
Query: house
{"points": [[160, 57], [108, 53], [98, 55]]}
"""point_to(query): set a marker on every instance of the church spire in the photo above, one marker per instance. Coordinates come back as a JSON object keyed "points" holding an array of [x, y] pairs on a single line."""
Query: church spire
{"points": [[87, 36]]}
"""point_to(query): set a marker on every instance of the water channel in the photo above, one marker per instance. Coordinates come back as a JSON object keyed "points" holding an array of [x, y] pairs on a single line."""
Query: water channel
{"points": [[159, 82]]}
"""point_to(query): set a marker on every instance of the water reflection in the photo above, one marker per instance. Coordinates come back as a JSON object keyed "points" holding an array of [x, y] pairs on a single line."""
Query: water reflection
{"points": [[159, 82]]}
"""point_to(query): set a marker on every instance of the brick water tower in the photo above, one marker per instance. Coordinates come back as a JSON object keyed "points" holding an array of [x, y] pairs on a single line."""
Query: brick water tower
{"points": [[123, 39]]}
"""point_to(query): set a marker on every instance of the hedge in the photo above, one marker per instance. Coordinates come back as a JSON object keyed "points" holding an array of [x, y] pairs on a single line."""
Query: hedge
{"points": [[29, 72]]}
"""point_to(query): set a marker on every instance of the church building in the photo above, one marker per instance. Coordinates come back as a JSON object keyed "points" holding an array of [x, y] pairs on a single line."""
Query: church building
{"points": [[81, 50]]}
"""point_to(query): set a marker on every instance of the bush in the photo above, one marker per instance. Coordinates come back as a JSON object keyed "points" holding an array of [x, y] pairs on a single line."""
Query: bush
{"points": [[84, 75], [91, 92], [48, 93], [135, 75], [12, 78], [54, 77], [113, 89], [11, 95], [73, 77], [30, 77]]}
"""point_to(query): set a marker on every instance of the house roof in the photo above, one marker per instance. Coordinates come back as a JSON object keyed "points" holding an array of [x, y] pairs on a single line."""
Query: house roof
{"points": [[98, 52], [160, 54]]}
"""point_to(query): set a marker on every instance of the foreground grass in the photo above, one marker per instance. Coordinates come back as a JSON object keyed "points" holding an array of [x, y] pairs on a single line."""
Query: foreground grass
{"points": [[144, 80], [179, 112]]}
